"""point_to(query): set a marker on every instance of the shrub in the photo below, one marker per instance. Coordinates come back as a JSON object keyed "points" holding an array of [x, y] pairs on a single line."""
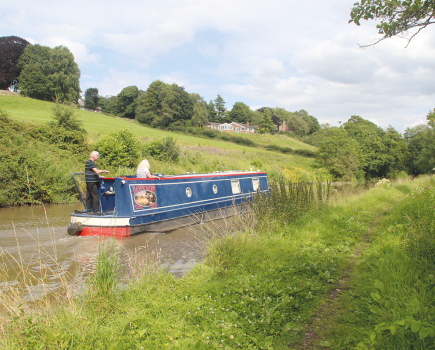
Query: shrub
{"points": [[64, 116], [119, 149], [164, 150]]}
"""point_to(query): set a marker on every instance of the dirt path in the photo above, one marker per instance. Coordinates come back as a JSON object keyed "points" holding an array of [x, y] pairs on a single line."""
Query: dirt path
{"points": [[326, 313]]}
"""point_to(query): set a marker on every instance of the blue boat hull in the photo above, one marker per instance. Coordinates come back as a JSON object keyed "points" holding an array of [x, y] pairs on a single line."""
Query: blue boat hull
{"points": [[131, 205]]}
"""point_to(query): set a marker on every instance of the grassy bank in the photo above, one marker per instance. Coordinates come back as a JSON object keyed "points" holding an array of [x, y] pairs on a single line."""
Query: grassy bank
{"points": [[98, 125], [389, 302], [39, 160], [259, 287]]}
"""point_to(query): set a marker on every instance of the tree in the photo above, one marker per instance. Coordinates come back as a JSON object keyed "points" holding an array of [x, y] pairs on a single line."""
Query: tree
{"points": [[297, 125], [162, 104], [91, 98], [49, 74], [149, 104], [200, 110], [266, 125], [396, 151], [119, 149], [219, 104], [64, 117], [397, 17], [211, 111], [421, 149], [313, 123], [11, 48], [340, 154], [109, 104], [127, 102], [240, 113], [370, 138]]}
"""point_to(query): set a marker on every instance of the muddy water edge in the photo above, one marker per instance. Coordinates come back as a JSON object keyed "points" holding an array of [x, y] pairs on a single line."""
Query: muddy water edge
{"points": [[36, 237]]}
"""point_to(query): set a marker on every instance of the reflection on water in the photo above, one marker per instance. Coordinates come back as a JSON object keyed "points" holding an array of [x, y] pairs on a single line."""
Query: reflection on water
{"points": [[37, 236]]}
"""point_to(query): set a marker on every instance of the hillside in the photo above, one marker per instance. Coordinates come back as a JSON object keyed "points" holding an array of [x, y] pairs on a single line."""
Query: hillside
{"points": [[98, 125], [197, 154]]}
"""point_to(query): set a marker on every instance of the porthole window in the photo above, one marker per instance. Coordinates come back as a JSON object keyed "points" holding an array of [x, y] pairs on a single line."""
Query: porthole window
{"points": [[214, 189], [188, 192]]}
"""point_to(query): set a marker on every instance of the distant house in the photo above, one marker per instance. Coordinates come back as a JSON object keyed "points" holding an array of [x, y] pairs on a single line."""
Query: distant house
{"points": [[233, 127], [82, 106], [284, 127]]}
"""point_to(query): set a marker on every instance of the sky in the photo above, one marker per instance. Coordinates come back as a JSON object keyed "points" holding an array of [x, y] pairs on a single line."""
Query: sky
{"points": [[291, 54]]}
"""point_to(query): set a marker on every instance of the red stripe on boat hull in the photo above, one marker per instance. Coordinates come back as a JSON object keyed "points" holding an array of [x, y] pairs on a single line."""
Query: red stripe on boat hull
{"points": [[106, 231]]}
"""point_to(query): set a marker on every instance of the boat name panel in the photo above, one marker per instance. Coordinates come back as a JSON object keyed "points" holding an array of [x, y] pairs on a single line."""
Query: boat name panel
{"points": [[144, 196]]}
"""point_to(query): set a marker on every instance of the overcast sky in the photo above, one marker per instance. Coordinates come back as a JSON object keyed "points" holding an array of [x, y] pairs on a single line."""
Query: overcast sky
{"points": [[291, 54]]}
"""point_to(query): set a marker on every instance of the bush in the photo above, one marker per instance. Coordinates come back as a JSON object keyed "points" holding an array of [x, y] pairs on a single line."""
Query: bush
{"points": [[305, 153], [119, 149], [164, 150], [64, 117], [34, 166]]}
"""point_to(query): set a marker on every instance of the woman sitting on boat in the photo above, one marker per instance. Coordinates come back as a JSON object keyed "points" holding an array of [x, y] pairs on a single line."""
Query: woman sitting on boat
{"points": [[143, 170]]}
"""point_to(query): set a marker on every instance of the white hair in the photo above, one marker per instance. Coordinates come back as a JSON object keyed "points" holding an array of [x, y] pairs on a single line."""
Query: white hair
{"points": [[94, 153], [144, 164]]}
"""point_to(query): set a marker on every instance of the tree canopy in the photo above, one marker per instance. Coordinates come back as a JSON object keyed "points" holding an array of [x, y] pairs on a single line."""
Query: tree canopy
{"points": [[11, 48], [162, 104], [49, 74], [240, 113], [397, 17], [126, 102], [200, 110], [91, 98], [219, 104]]}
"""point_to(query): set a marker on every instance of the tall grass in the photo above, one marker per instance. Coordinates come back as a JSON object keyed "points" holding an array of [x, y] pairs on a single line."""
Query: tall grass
{"points": [[259, 286], [391, 301]]}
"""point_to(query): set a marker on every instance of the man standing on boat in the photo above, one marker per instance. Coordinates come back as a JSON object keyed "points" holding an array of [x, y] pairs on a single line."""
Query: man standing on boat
{"points": [[92, 177]]}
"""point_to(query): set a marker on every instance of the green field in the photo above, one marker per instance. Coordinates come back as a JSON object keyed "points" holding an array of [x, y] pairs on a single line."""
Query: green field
{"points": [[98, 125]]}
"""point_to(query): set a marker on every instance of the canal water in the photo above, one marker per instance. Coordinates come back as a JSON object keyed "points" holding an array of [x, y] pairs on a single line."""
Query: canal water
{"points": [[35, 238]]}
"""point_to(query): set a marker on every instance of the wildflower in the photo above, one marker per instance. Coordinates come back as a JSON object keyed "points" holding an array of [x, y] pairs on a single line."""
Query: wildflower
{"points": [[231, 336]]}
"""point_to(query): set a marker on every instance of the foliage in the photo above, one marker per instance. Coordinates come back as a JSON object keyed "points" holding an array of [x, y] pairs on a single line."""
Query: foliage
{"points": [[219, 105], [240, 113], [421, 156], [11, 48], [64, 117], [105, 279], [313, 123], [266, 125], [36, 162], [164, 150], [396, 16], [163, 104], [109, 104], [211, 111], [119, 149], [258, 286], [91, 98], [298, 125], [200, 110], [340, 154], [49, 74], [369, 138], [126, 102]]}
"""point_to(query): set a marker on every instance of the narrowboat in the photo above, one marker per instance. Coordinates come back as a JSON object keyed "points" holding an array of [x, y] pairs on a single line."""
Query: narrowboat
{"points": [[131, 205]]}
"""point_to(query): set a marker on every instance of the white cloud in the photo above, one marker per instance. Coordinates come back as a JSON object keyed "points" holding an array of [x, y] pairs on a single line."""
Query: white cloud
{"points": [[79, 50], [115, 81]]}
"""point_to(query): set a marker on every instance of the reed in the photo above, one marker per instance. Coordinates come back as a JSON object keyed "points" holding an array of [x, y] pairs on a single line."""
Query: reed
{"points": [[260, 284]]}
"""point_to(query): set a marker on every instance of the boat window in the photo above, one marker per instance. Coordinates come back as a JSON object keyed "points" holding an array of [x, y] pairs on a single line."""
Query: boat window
{"points": [[215, 189], [235, 185], [255, 184], [188, 192]]}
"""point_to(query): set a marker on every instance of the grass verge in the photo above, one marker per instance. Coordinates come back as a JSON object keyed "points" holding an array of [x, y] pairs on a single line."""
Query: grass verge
{"points": [[259, 287]]}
